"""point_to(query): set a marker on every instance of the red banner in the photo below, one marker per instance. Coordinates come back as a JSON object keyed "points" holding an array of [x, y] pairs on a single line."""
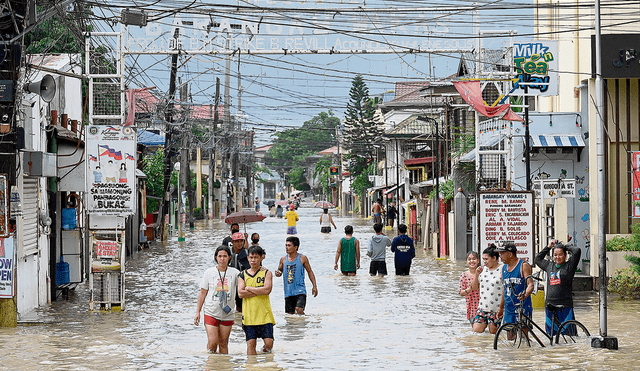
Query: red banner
{"points": [[471, 92]]}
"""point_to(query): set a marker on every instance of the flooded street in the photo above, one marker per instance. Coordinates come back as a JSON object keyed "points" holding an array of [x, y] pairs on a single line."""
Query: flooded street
{"points": [[361, 322]]}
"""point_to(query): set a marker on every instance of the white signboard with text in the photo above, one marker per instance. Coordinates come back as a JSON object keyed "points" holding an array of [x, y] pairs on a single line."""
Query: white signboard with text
{"points": [[556, 188], [507, 217], [7, 268], [111, 170]]}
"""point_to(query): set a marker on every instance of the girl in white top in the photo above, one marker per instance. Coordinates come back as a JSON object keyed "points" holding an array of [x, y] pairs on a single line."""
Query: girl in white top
{"points": [[326, 221], [218, 295], [489, 280]]}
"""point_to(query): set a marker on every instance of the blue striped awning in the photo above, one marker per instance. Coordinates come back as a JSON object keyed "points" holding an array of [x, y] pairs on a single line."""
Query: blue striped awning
{"points": [[557, 140]]}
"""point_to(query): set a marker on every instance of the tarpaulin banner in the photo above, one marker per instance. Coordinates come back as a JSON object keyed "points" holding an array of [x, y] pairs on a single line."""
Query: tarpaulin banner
{"points": [[471, 92]]}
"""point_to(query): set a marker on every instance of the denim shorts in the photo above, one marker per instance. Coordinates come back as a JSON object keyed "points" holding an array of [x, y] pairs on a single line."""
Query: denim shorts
{"points": [[260, 331]]}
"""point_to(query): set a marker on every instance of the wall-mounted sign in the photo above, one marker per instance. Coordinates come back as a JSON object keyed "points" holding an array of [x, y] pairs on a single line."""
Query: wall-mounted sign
{"points": [[537, 67], [111, 168], [106, 250], [507, 217], [7, 268], [620, 58], [635, 161], [555, 188]]}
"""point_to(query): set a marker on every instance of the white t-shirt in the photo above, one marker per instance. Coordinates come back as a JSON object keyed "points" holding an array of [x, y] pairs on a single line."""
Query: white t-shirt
{"points": [[212, 280], [491, 289]]}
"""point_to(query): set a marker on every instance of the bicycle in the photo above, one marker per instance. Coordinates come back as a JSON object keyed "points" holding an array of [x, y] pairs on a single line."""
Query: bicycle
{"points": [[522, 333]]}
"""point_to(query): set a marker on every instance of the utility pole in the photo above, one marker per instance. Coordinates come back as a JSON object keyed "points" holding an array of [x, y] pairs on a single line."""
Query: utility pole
{"points": [[216, 154], [9, 74], [227, 121], [165, 204]]}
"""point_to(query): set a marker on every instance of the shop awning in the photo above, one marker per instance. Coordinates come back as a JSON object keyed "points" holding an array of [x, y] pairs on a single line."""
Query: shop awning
{"points": [[557, 140], [418, 161], [392, 189]]}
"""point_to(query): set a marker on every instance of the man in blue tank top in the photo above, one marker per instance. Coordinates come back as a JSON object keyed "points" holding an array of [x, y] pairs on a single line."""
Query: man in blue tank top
{"points": [[293, 266], [514, 271]]}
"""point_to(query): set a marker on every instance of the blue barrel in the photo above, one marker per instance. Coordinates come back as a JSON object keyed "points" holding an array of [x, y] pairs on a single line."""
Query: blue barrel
{"points": [[62, 272], [69, 218]]}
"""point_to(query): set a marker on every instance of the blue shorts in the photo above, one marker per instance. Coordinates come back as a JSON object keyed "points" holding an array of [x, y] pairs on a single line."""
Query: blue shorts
{"points": [[260, 331], [292, 230], [511, 317], [563, 314]]}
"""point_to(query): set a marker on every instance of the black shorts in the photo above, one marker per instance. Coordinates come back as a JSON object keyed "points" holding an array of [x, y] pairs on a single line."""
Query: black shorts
{"points": [[378, 267], [293, 302], [260, 331], [325, 229]]}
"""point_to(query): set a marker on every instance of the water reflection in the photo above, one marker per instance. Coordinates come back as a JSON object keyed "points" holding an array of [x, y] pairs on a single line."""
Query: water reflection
{"points": [[361, 322]]}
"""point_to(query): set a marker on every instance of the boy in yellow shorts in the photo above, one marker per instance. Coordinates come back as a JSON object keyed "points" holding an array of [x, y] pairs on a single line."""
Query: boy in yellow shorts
{"points": [[254, 287]]}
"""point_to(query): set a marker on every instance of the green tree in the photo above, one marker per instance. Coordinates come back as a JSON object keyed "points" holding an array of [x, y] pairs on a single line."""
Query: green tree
{"points": [[297, 179], [361, 130], [153, 167], [292, 146], [322, 173]]}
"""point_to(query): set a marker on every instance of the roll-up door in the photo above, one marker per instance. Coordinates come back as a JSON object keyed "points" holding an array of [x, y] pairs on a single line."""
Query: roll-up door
{"points": [[30, 215]]}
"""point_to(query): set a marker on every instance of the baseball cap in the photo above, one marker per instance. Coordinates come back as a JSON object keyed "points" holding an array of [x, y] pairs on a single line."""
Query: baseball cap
{"points": [[508, 247], [291, 207], [237, 236]]}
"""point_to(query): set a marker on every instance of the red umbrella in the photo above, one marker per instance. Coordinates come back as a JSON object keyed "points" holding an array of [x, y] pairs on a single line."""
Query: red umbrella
{"points": [[282, 202], [244, 216], [324, 205]]}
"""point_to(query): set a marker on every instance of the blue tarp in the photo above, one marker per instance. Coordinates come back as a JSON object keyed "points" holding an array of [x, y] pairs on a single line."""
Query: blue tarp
{"points": [[150, 139]]}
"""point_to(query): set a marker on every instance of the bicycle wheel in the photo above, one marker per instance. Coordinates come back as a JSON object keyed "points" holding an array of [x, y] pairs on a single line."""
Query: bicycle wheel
{"points": [[572, 332], [510, 335]]}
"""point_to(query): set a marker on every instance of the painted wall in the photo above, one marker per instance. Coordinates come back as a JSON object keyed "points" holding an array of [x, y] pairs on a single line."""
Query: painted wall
{"points": [[559, 165]]}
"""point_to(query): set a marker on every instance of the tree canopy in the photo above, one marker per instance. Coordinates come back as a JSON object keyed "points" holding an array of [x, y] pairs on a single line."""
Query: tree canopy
{"points": [[292, 146], [361, 132]]}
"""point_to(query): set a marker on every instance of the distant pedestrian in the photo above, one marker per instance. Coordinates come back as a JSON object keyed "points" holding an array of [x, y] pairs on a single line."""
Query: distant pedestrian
{"points": [[378, 251], [279, 211], [466, 278], [404, 251], [326, 220], [254, 287], [293, 266], [217, 295], [257, 204], [377, 211], [348, 253], [392, 214], [292, 219]]}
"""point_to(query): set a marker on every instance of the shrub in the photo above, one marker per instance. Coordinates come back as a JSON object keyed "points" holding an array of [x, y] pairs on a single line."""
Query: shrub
{"points": [[619, 243], [626, 283]]}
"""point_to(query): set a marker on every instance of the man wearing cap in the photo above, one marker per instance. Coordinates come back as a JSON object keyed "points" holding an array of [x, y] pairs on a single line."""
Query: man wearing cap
{"points": [[239, 260], [227, 241], [292, 218], [514, 272]]}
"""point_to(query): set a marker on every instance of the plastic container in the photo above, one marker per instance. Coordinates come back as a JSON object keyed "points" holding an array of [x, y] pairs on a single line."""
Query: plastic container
{"points": [[69, 218], [62, 272]]}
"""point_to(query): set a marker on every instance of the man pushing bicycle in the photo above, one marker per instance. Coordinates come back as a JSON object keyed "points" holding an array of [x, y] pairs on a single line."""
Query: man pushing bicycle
{"points": [[514, 272]]}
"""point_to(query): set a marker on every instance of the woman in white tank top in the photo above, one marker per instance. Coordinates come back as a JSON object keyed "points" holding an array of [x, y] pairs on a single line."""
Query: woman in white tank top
{"points": [[326, 221]]}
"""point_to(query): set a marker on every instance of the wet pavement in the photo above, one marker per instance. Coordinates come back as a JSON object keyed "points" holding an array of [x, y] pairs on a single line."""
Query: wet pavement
{"points": [[361, 322]]}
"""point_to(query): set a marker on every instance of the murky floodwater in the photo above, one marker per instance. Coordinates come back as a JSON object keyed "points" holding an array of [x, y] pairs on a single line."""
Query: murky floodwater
{"points": [[362, 322]]}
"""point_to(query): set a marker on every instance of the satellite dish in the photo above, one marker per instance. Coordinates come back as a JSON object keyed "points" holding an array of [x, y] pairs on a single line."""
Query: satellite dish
{"points": [[45, 88]]}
